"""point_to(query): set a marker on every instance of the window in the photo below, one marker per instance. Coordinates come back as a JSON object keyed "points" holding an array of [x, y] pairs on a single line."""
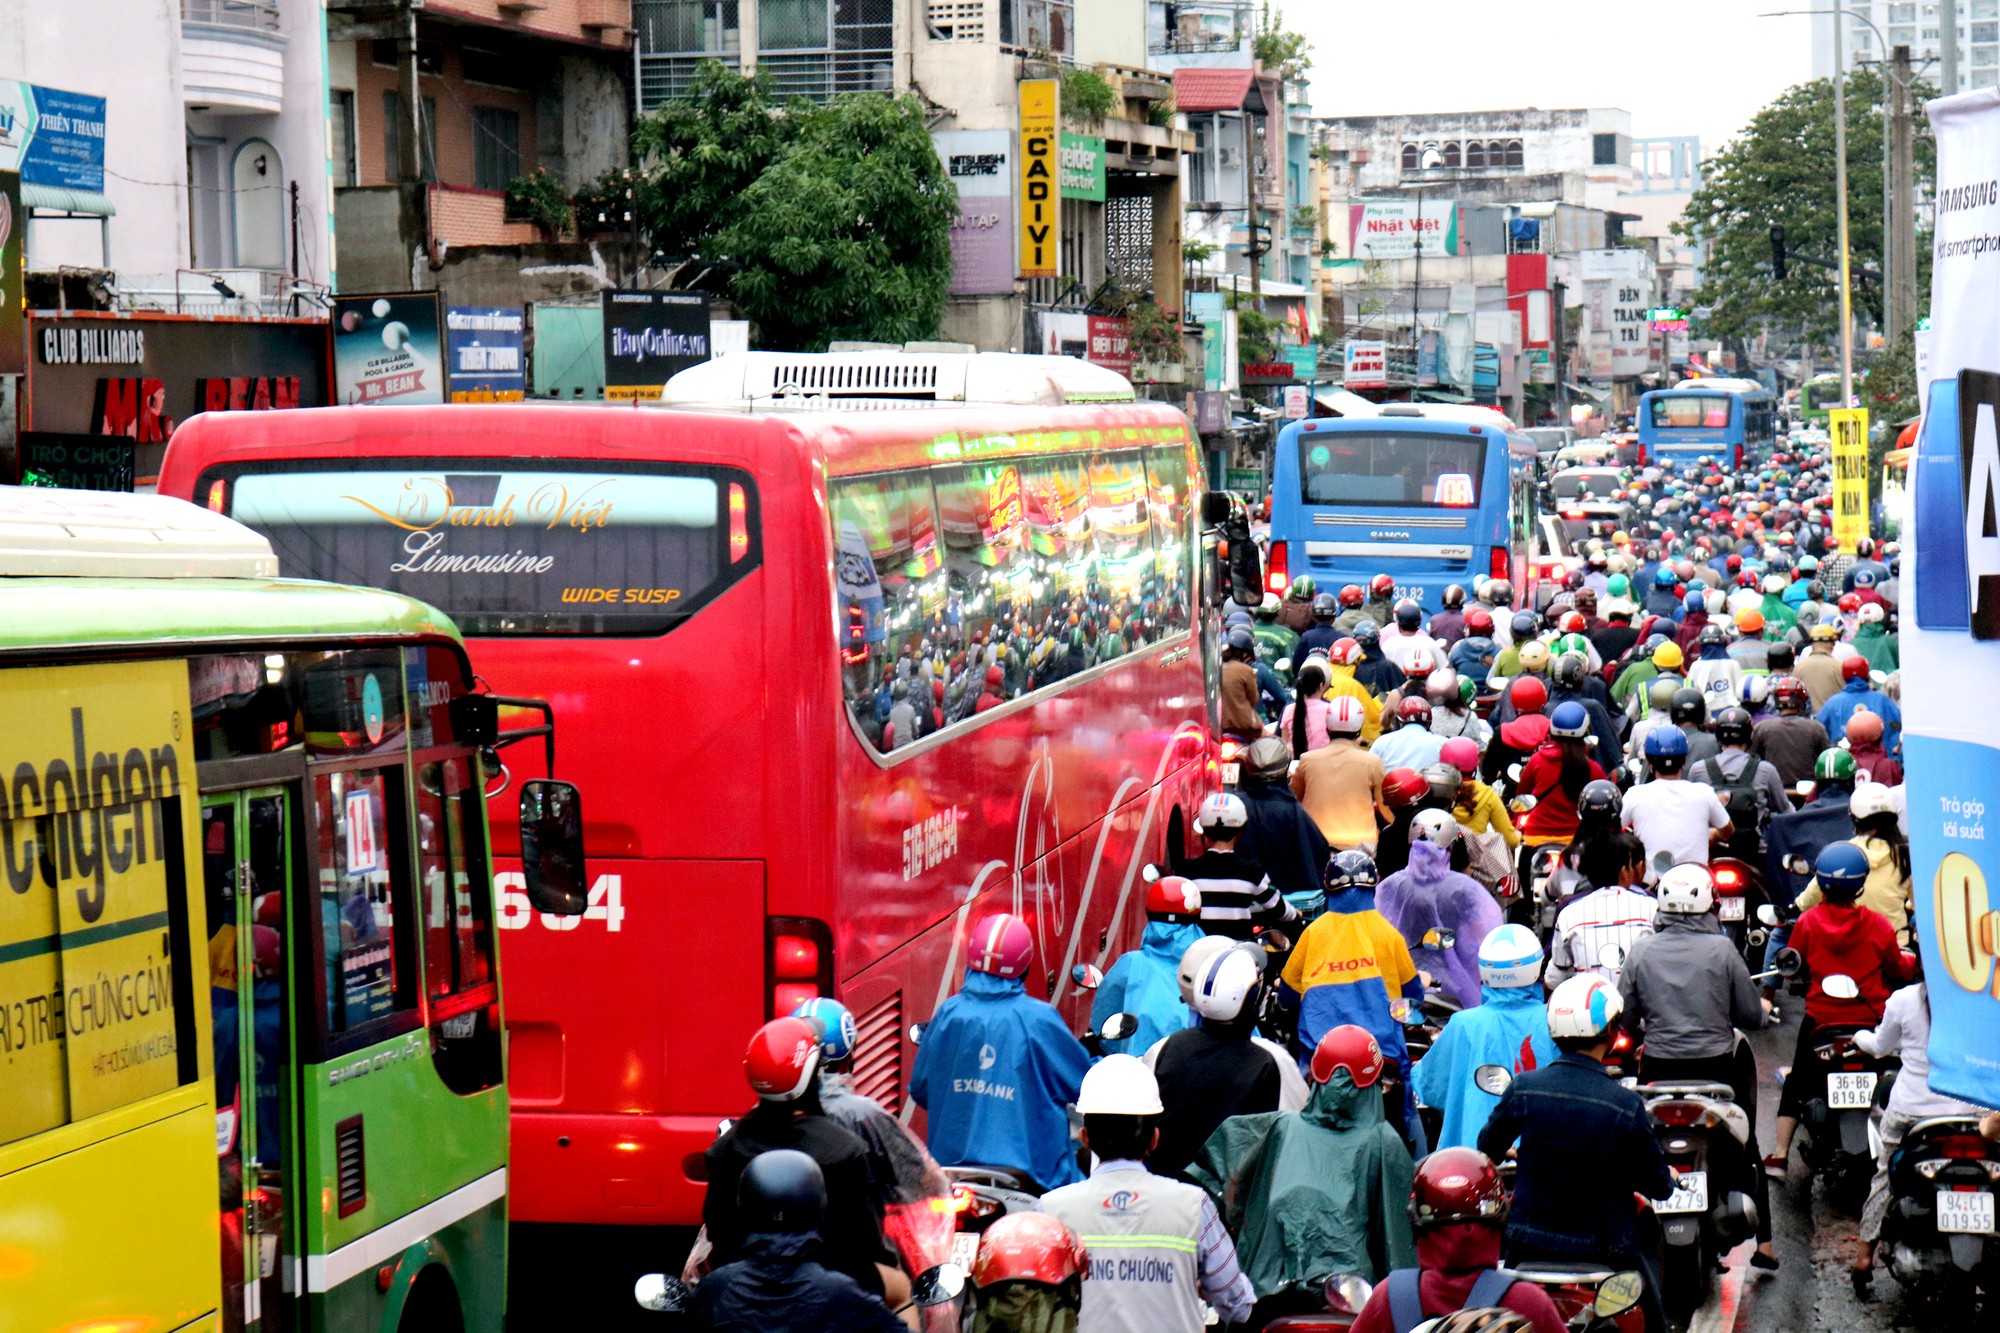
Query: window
{"points": [[1412, 157], [365, 911], [1039, 25], [451, 867], [340, 137], [1692, 411], [392, 138], [817, 48], [673, 37], [496, 69], [1902, 36], [1391, 468], [1986, 32], [1604, 150], [1475, 153], [1451, 154], [1985, 9], [1512, 150], [496, 147]]}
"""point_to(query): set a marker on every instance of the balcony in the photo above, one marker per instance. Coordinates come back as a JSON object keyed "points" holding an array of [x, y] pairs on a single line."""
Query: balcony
{"points": [[233, 56]]}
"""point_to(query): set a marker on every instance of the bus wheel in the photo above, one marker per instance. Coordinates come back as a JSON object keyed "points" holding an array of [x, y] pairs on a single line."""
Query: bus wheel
{"points": [[433, 1305]]}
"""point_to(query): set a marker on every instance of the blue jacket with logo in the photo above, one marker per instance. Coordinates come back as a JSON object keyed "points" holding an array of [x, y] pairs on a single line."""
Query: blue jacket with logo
{"points": [[995, 1074], [1146, 983]]}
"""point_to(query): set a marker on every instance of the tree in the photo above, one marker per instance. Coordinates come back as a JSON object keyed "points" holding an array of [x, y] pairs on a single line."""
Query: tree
{"points": [[821, 223], [1279, 50], [1780, 172]]}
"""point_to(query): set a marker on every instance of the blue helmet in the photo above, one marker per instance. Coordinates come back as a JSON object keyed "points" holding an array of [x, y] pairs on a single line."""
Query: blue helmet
{"points": [[1842, 867], [1666, 742], [838, 1034], [1664, 577], [1571, 719], [1693, 601]]}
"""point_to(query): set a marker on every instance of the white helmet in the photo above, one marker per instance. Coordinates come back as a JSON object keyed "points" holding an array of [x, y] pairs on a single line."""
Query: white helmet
{"points": [[1583, 1006], [1871, 798], [1345, 716], [1222, 809], [1225, 983], [1510, 956], [1193, 960], [1844, 650], [1119, 1085], [1438, 826], [1716, 600], [1687, 889], [1775, 583], [1871, 613]]}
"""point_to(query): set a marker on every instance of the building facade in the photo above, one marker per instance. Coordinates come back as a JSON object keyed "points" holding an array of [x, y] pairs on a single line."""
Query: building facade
{"points": [[1875, 27]]}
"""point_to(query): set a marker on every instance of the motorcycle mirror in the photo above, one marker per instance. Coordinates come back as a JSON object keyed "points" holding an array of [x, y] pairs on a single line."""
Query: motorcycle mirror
{"points": [[1403, 1012], [1616, 1294], [1841, 987], [658, 1291], [1513, 772], [1788, 963], [1493, 1079], [1767, 914], [1151, 874], [1611, 956], [1275, 941], [938, 1286], [916, 1034], [1284, 664], [1118, 1026], [1346, 1293], [1087, 976], [1440, 937], [1805, 788], [1521, 805]]}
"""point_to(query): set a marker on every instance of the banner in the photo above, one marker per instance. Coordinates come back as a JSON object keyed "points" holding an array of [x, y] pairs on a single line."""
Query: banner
{"points": [[1951, 579], [13, 241], [649, 337], [1081, 159], [52, 137], [1041, 237], [1399, 228], [386, 349], [1367, 364], [483, 346], [1849, 428], [981, 164]]}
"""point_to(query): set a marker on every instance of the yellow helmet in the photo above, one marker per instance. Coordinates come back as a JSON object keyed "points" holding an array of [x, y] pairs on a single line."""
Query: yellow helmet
{"points": [[1667, 657]]}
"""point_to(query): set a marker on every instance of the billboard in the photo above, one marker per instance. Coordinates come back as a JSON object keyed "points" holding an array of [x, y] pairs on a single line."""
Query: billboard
{"points": [[649, 337], [1618, 294], [1080, 162], [483, 353], [13, 240], [1849, 428], [1400, 228], [1367, 364], [52, 137], [1041, 238], [981, 164], [386, 349]]}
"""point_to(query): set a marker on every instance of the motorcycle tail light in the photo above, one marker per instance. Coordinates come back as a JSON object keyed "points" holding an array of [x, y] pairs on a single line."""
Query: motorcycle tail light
{"points": [[1727, 879], [1930, 1167], [1962, 1145], [1677, 1113]]}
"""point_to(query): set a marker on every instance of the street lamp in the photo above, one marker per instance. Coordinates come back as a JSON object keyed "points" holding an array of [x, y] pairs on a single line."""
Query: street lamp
{"points": [[1431, 158]]}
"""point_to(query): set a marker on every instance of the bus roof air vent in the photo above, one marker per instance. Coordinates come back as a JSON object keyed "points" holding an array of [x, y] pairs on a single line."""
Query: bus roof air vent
{"points": [[1402, 410], [927, 372], [55, 533]]}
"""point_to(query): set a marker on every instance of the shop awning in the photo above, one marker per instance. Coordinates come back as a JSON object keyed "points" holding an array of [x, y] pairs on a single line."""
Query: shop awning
{"points": [[1198, 90], [1440, 396], [61, 199], [1347, 403], [1593, 394]]}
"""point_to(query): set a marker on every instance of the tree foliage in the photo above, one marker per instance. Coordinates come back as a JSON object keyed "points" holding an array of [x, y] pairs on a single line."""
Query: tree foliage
{"points": [[821, 223], [1277, 48], [1780, 171]]}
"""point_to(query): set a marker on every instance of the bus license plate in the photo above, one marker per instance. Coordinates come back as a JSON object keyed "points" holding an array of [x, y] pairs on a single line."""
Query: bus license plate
{"points": [[1231, 774], [1690, 1194], [1969, 1213], [1850, 1092], [964, 1248], [1730, 909]]}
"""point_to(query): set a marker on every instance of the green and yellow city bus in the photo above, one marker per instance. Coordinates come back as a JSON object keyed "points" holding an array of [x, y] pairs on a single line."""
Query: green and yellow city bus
{"points": [[252, 1069]]}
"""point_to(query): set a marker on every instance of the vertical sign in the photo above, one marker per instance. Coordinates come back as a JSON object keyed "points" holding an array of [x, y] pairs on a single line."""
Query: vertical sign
{"points": [[483, 347], [981, 164], [649, 337], [1041, 238], [1849, 428], [13, 236]]}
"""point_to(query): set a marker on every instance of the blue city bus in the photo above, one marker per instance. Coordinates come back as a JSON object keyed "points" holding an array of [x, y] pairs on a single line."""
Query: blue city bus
{"points": [[1734, 422], [1429, 502]]}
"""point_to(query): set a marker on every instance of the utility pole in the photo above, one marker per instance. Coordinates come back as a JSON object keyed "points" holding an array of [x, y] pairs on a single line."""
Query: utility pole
{"points": [[1947, 14], [1899, 270], [1840, 209], [410, 166], [1254, 150]]}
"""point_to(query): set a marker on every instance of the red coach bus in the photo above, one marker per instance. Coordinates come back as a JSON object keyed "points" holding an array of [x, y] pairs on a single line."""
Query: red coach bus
{"points": [[844, 661]]}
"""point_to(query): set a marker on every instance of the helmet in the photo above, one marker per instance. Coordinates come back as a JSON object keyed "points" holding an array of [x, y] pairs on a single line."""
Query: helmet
{"points": [[1599, 797], [1240, 640], [1441, 687], [1367, 633], [1351, 1048], [1688, 706], [1664, 577], [1524, 624], [1569, 719], [1864, 578], [1437, 826], [1029, 1247], [1324, 607], [1195, 957], [267, 949], [1462, 753], [1842, 869], [1119, 1085], [1686, 889], [1269, 606], [783, 1059], [1864, 727], [1225, 984], [1527, 694], [1854, 668], [1346, 716], [1534, 655], [1711, 635], [1352, 595], [1569, 671], [1267, 759], [1458, 1185], [1382, 585], [1172, 898], [1667, 657], [1693, 601], [1510, 957], [1403, 786], [1479, 621], [783, 1191], [1666, 743], [1499, 592], [1871, 613], [1750, 621], [1415, 708], [1756, 689], [1231, 621], [1000, 945], [1443, 779], [1849, 602], [1222, 809], [1583, 1006], [1572, 623], [1834, 765], [1420, 663], [838, 1033], [1345, 652], [1453, 597], [1775, 583], [1870, 799], [1789, 692], [1617, 586], [1409, 615], [1732, 726], [1302, 588], [1352, 869], [1824, 631]]}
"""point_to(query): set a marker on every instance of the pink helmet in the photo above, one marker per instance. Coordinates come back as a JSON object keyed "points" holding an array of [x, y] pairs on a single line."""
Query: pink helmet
{"points": [[1461, 753], [1000, 945]]}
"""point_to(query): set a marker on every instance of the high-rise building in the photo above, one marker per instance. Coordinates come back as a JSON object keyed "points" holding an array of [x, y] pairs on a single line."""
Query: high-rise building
{"points": [[1875, 27]]}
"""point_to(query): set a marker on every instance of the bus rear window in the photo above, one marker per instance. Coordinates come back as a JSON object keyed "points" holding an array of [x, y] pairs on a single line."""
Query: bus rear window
{"points": [[1391, 468], [505, 549], [1691, 412]]}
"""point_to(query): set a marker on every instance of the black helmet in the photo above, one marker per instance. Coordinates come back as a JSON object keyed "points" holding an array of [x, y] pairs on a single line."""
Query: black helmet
{"points": [[1267, 760], [1599, 797], [1351, 870], [1687, 706], [1453, 597], [1499, 592], [1732, 726], [1526, 624], [781, 1191], [1713, 634], [1325, 606], [1569, 671], [1367, 633], [1409, 615], [1242, 640]]}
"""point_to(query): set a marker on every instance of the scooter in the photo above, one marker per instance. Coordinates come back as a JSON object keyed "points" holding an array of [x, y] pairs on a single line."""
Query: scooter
{"points": [[1340, 1299], [1739, 900], [1938, 1235], [1836, 1124], [1706, 1138]]}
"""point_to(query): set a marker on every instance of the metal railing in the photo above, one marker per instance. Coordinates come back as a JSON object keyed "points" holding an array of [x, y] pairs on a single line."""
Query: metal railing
{"points": [[232, 14]]}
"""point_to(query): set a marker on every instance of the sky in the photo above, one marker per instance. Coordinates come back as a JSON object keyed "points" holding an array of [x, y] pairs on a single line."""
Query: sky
{"points": [[1679, 68]]}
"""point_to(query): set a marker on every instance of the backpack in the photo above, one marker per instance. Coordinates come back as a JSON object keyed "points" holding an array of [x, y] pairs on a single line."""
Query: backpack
{"points": [[1739, 797], [1406, 1306]]}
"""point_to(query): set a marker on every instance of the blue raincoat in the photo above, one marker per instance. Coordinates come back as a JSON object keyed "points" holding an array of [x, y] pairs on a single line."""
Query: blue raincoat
{"points": [[1429, 893], [995, 1074], [1146, 984], [1857, 694], [1510, 1029]]}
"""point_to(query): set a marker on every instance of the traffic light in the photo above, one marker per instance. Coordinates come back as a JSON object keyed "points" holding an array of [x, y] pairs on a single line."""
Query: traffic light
{"points": [[1778, 252]]}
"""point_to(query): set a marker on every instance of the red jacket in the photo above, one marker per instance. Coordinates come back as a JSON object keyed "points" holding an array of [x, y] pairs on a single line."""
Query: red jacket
{"points": [[1554, 815], [1451, 1258], [1850, 939]]}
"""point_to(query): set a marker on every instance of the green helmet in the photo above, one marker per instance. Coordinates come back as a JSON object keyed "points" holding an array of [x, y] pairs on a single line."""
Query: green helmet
{"points": [[1834, 765], [1617, 586], [1468, 690], [1303, 588], [1660, 692], [1574, 643]]}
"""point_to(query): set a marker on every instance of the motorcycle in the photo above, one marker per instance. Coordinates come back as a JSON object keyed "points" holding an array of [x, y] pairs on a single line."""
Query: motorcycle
{"points": [[1340, 1298], [1836, 1124], [1706, 1138], [1938, 1235], [934, 1287], [1739, 900]]}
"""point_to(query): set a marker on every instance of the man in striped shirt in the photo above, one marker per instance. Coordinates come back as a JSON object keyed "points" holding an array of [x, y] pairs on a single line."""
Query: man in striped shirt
{"points": [[1236, 895], [1616, 913]]}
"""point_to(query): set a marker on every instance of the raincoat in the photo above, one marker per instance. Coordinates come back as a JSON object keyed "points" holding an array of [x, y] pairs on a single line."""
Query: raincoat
{"points": [[1340, 680], [1510, 1029], [1431, 894], [1779, 615], [1282, 838], [1312, 1192], [1804, 832], [995, 1073], [1878, 645], [1856, 694], [1146, 984]]}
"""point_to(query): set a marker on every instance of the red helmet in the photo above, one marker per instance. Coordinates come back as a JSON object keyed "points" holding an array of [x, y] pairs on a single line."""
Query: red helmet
{"points": [[1351, 1048], [1173, 897], [1001, 945], [269, 948], [1854, 668], [1573, 623], [1421, 663], [1863, 728], [1029, 1247], [1415, 708], [1734, 562], [1528, 694], [1462, 753], [1786, 690], [1478, 621], [1382, 585], [1457, 1185], [1403, 786], [783, 1059], [1352, 595], [1345, 652], [1850, 602]]}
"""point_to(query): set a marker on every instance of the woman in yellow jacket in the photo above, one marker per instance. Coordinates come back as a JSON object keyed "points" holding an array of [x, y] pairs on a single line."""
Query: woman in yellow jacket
{"points": [[1479, 807], [1340, 680], [1876, 833]]}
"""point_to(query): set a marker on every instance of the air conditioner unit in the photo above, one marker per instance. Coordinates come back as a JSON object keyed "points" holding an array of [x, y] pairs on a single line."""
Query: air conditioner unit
{"points": [[1230, 157]]}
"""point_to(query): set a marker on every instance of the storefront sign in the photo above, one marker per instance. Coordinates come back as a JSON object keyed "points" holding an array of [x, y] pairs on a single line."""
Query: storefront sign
{"points": [[52, 137], [1111, 343], [1041, 238], [386, 349], [1398, 228], [981, 164], [13, 238], [1081, 160], [77, 462], [1849, 429], [1298, 402], [483, 344], [1618, 285], [1267, 374], [649, 337], [1305, 361], [1367, 365], [1211, 412]]}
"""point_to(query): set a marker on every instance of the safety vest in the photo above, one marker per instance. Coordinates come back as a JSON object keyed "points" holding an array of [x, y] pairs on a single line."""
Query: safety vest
{"points": [[1143, 1234]]}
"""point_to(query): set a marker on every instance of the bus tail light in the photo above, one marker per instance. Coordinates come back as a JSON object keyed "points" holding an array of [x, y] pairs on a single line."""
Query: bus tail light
{"points": [[1739, 458], [1277, 577], [218, 496], [739, 523], [798, 962], [1498, 564]]}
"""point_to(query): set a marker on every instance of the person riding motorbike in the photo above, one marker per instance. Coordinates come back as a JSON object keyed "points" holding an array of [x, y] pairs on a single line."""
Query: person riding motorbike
{"points": [[1509, 1028], [1027, 1276], [1276, 642], [1236, 896], [1429, 896], [1381, 607], [1473, 655], [903, 1170], [1751, 789], [1873, 640], [1404, 635], [1872, 763], [1614, 911], [1317, 1191], [1477, 806], [1554, 776], [1322, 635], [1279, 835], [1586, 1147], [1403, 791], [997, 1066], [1676, 819], [1790, 741], [1339, 785], [1880, 838], [1296, 614], [1376, 672], [1857, 692], [1353, 601], [1342, 659], [1240, 691], [1448, 623], [1142, 981], [1514, 741], [1413, 744]]}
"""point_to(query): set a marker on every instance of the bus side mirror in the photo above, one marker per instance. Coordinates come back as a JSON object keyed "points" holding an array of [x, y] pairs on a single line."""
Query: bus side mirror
{"points": [[552, 847], [475, 720], [1215, 506]]}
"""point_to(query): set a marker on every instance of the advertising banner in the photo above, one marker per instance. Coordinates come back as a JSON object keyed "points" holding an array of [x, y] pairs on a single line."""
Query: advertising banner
{"points": [[77, 462], [1111, 343], [1041, 238], [386, 349], [1399, 228], [1849, 428], [13, 241], [52, 137], [1951, 579], [981, 164], [1367, 364], [483, 347], [649, 337], [1081, 159]]}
